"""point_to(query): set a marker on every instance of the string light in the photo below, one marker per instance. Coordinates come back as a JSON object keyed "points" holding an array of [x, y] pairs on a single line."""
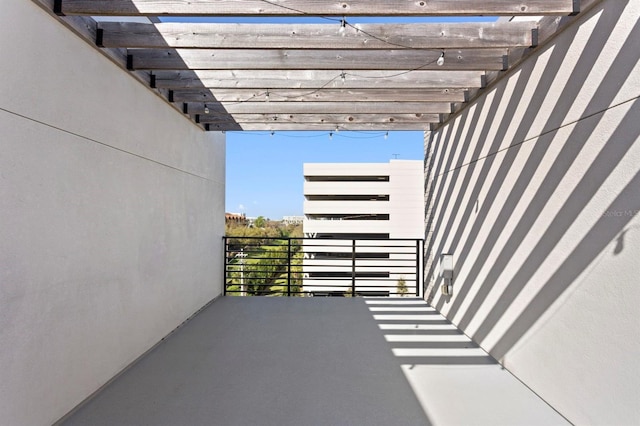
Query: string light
{"points": [[440, 61], [352, 134], [343, 77], [266, 95], [206, 109], [330, 136], [343, 25], [386, 136]]}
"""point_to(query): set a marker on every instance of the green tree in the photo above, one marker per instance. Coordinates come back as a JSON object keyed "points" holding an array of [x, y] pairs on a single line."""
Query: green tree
{"points": [[260, 269], [280, 287], [260, 222], [258, 258]]}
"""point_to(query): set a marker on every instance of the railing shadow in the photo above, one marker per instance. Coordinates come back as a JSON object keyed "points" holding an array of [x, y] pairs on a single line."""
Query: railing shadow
{"points": [[442, 365], [418, 335]]}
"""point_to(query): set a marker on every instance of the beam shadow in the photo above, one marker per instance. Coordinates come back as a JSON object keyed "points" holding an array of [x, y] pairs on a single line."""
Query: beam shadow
{"points": [[493, 193], [522, 181], [584, 191], [457, 170]]}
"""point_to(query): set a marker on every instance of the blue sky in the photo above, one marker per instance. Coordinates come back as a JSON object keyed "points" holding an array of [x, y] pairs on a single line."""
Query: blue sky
{"points": [[264, 172]]}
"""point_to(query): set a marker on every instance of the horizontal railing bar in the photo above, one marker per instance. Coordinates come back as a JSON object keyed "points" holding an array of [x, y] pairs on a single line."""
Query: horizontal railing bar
{"points": [[238, 261], [329, 290], [331, 248], [322, 239], [325, 265], [360, 265], [324, 286], [334, 282]]}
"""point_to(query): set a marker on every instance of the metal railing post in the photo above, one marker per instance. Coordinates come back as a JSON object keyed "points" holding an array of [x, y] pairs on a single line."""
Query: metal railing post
{"points": [[417, 268], [289, 267], [224, 266], [353, 268]]}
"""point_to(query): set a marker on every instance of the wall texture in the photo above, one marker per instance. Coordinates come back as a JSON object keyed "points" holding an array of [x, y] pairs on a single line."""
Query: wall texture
{"points": [[111, 217], [535, 190]]}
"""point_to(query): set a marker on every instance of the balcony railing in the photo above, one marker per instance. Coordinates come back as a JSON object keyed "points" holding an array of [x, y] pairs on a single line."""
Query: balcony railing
{"points": [[255, 266]]}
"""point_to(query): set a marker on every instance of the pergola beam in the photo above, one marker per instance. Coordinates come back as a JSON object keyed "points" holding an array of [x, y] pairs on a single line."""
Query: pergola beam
{"points": [[322, 108], [316, 8], [326, 127], [325, 95], [340, 119], [303, 76], [318, 80], [464, 35], [250, 59]]}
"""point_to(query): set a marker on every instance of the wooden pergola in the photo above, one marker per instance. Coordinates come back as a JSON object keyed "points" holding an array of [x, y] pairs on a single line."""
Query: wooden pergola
{"points": [[335, 75]]}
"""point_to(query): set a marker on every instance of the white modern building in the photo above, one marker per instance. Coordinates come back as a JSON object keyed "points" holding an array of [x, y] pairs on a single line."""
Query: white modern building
{"points": [[363, 208]]}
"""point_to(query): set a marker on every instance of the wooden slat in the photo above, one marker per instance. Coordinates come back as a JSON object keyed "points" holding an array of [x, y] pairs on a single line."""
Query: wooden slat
{"points": [[323, 108], [463, 35], [332, 119], [325, 95], [238, 59], [314, 80], [318, 8], [330, 129]]}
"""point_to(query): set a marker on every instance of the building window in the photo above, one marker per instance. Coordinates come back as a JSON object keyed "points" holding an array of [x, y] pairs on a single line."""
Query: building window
{"points": [[347, 178], [353, 197]]}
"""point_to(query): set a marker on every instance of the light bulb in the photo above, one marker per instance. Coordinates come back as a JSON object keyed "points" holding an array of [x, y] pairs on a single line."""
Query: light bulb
{"points": [[343, 77], [440, 60], [330, 136], [206, 109], [386, 135], [266, 95], [343, 26]]}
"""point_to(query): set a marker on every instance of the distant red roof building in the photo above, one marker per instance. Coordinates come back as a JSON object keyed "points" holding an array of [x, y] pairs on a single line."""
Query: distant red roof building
{"points": [[235, 217]]}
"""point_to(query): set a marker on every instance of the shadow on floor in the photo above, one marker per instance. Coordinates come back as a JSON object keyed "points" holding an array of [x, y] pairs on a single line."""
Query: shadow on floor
{"points": [[264, 361]]}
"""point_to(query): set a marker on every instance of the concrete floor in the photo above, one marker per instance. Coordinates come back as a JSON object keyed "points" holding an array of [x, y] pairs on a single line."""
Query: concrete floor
{"points": [[316, 361]]}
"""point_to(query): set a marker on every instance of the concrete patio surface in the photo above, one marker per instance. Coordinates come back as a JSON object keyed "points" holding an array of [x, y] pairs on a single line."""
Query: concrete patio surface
{"points": [[315, 361]]}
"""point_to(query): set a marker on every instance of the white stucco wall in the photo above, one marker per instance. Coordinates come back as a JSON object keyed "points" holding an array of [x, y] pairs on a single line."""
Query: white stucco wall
{"points": [[111, 217], [535, 190]]}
